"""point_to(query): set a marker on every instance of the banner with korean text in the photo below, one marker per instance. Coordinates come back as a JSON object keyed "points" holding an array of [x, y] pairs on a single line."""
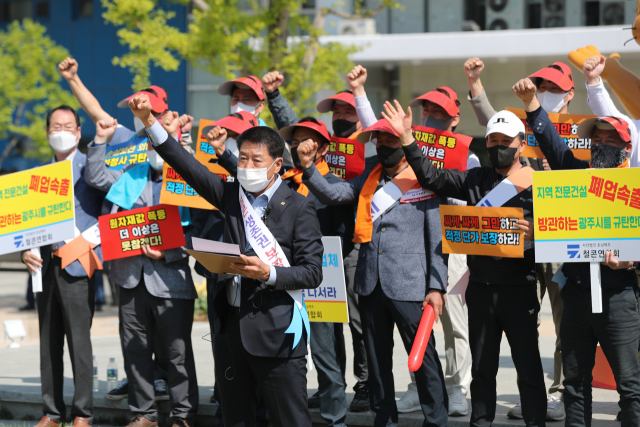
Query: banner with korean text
{"points": [[345, 157], [567, 127], [36, 207], [328, 302], [474, 230], [581, 214], [123, 233], [131, 152], [176, 191], [206, 155], [446, 150]]}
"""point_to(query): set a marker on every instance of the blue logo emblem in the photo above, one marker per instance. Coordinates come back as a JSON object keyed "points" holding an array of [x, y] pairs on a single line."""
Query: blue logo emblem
{"points": [[17, 240], [573, 250]]}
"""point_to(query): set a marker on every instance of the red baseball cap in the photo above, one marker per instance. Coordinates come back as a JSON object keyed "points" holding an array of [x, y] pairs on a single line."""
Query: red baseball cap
{"points": [[558, 73], [234, 123], [287, 132], [586, 128], [381, 125], [446, 100], [157, 97], [251, 82], [346, 96]]}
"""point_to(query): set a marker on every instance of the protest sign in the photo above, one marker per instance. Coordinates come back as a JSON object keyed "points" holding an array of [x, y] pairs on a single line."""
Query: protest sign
{"points": [[36, 207], [176, 191], [581, 214], [567, 127], [474, 230], [328, 302], [446, 150], [123, 233], [345, 157], [205, 153], [131, 152]]}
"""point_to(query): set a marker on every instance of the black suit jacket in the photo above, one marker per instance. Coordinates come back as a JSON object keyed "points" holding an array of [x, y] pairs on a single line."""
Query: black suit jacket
{"points": [[265, 311]]}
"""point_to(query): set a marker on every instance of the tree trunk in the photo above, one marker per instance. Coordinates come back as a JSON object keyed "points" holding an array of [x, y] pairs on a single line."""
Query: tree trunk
{"points": [[15, 138]]}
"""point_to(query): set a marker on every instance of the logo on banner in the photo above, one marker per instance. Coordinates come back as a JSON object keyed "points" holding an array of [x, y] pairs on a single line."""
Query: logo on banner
{"points": [[573, 250]]}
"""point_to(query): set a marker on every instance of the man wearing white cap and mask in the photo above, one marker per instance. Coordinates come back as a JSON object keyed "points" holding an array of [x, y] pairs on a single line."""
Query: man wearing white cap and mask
{"points": [[501, 295], [66, 303]]}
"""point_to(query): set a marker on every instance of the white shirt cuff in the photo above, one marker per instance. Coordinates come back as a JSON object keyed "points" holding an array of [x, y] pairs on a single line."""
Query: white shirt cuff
{"points": [[157, 134], [597, 86], [272, 275]]}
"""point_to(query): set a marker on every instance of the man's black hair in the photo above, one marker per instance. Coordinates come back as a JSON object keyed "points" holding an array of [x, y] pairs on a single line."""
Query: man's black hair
{"points": [[264, 136], [312, 120], [64, 108]]}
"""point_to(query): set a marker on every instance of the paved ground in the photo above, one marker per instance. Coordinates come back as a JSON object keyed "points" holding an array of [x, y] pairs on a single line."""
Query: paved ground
{"points": [[19, 368]]}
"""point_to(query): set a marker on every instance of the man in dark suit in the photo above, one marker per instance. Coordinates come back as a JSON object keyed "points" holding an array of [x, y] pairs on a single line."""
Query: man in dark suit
{"points": [[253, 350], [67, 301]]}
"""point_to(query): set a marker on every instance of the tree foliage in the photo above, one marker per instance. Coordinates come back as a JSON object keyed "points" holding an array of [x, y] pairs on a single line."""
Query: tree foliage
{"points": [[30, 85], [237, 37]]}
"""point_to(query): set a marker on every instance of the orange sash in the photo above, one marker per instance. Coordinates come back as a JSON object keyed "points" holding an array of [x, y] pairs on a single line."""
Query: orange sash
{"points": [[81, 250], [405, 180], [296, 174]]}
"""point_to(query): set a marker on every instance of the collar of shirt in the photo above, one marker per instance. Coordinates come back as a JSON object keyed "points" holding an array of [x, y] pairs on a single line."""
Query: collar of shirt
{"points": [[70, 157], [263, 200]]}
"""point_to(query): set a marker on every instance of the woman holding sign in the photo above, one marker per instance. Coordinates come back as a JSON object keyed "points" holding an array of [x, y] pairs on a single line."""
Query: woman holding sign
{"points": [[501, 294]]}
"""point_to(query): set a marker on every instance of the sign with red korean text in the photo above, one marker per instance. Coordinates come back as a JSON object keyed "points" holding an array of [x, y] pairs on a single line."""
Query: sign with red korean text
{"points": [[124, 233], [474, 230], [581, 214], [446, 150], [176, 191], [567, 127], [36, 207], [345, 157], [205, 152]]}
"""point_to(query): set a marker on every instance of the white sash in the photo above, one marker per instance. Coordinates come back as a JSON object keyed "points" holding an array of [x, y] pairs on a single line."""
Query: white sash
{"points": [[269, 251], [390, 193]]}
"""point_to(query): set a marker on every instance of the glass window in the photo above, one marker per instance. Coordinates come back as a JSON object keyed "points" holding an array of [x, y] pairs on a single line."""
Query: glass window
{"points": [[15, 10], [42, 9]]}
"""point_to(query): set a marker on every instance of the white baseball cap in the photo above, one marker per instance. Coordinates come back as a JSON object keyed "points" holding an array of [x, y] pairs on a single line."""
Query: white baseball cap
{"points": [[505, 122]]}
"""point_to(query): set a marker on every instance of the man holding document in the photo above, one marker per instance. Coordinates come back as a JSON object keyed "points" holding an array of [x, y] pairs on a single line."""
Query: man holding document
{"points": [[261, 324]]}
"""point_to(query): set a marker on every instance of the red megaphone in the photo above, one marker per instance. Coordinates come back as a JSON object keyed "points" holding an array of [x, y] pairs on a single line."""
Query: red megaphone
{"points": [[422, 338]]}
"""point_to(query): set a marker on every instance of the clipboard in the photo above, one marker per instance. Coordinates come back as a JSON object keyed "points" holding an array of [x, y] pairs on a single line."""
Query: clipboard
{"points": [[215, 256], [216, 263]]}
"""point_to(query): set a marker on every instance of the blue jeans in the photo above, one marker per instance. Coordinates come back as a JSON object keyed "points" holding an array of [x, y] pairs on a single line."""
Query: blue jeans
{"points": [[616, 329]]}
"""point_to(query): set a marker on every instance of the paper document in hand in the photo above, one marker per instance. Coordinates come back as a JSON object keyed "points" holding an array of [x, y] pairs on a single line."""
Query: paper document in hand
{"points": [[215, 256]]}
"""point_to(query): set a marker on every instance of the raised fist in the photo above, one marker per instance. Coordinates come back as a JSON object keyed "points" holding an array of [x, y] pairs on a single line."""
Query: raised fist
{"points": [[307, 152], [141, 108], [105, 128], [356, 78], [272, 81], [186, 123], [593, 67], [216, 138], [68, 68], [525, 89], [473, 68], [171, 122]]}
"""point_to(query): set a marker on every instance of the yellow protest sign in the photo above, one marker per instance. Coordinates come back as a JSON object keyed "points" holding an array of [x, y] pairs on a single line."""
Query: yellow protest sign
{"points": [[36, 207], [328, 302], [474, 230], [581, 214], [175, 190], [567, 127]]}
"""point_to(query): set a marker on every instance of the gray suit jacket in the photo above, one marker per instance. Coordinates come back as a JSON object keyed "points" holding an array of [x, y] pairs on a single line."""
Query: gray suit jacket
{"points": [[405, 252], [165, 278]]}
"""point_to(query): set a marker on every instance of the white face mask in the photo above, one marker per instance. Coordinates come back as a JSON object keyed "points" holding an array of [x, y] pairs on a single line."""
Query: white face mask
{"points": [[155, 160], [254, 180], [243, 107], [137, 123], [552, 102], [232, 146], [63, 141]]}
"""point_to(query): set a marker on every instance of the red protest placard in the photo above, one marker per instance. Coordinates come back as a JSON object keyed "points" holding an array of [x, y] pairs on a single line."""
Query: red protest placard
{"points": [[123, 233], [445, 149], [345, 157]]}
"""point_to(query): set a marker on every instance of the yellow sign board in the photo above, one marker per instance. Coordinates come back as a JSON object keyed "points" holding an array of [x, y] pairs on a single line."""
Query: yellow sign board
{"points": [[581, 214], [36, 207]]}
